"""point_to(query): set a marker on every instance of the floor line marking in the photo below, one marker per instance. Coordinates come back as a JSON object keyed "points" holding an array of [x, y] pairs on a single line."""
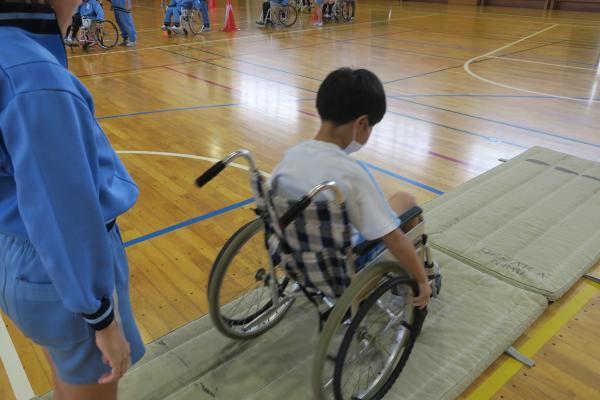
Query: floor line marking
{"points": [[13, 367], [538, 338], [541, 63], [495, 83]]}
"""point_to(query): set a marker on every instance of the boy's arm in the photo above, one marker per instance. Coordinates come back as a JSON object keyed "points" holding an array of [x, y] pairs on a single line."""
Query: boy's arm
{"points": [[404, 251]]}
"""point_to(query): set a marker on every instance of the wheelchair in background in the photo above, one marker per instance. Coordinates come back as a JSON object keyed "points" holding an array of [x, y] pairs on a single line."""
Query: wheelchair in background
{"points": [[367, 322], [103, 33]]}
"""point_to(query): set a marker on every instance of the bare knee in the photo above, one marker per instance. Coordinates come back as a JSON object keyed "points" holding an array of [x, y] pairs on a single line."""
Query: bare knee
{"points": [[401, 202]]}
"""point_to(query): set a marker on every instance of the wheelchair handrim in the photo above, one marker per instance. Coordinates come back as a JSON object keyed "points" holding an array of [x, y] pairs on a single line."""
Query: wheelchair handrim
{"points": [[395, 353]]}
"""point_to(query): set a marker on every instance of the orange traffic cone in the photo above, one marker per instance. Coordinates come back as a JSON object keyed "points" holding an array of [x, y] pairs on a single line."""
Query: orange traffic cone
{"points": [[229, 20], [313, 17]]}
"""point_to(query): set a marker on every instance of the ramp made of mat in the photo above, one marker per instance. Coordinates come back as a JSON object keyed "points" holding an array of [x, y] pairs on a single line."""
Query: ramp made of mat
{"points": [[473, 321], [533, 221]]}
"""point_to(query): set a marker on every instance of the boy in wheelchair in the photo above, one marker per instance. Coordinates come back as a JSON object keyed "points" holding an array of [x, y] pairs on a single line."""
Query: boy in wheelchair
{"points": [[350, 103], [173, 13], [89, 12]]}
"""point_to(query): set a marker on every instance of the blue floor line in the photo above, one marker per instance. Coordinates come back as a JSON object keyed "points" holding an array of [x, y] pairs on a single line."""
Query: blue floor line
{"points": [[488, 138], [189, 222], [537, 131], [403, 178], [251, 200]]}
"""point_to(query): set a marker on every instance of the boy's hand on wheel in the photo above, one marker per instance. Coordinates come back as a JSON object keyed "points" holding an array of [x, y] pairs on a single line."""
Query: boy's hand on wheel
{"points": [[422, 300]]}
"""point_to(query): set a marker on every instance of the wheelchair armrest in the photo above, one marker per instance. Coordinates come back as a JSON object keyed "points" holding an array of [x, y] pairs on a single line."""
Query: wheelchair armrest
{"points": [[409, 215], [406, 217], [365, 247]]}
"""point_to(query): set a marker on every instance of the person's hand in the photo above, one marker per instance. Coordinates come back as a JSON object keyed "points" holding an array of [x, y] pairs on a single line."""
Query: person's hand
{"points": [[422, 300], [116, 352]]}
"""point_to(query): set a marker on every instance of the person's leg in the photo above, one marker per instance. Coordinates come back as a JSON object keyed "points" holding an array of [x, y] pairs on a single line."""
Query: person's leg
{"points": [[75, 26], [168, 17], [204, 12], [65, 391], [128, 20], [122, 28], [401, 202]]}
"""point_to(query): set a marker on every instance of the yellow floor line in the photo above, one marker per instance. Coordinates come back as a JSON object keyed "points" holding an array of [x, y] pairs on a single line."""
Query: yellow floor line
{"points": [[538, 338]]}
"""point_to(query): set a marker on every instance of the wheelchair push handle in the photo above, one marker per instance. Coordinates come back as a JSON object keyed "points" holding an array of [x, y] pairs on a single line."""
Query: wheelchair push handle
{"points": [[210, 173], [305, 201], [220, 166]]}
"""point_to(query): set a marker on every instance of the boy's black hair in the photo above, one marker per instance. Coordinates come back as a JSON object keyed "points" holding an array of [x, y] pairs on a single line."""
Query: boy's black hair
{"points": [[348, 93]]}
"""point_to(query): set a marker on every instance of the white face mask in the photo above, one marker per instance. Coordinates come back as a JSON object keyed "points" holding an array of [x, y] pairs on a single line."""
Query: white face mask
{"points": [[354, 146]]}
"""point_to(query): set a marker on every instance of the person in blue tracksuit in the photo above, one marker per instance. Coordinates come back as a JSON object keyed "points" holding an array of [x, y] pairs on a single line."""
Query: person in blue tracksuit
{"points": [[63, 270], [124, 18], [171, 15], [202, 6], [89, 9]]}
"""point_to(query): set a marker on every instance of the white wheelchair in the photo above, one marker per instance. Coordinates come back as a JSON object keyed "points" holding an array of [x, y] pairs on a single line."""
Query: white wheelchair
{"points": [[367, 322], [282, 13]]}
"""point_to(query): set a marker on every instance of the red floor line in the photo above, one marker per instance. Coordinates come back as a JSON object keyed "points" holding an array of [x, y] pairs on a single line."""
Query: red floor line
{"points": [[431, 153], [135, 69], [202, 79]]}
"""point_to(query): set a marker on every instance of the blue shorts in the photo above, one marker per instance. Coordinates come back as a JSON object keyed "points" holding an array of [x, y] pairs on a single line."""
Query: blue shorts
{"points": [[39, 313]]}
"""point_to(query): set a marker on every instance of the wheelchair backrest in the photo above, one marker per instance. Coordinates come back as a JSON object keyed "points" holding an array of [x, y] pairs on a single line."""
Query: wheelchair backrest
{"points": [[315, 247]]}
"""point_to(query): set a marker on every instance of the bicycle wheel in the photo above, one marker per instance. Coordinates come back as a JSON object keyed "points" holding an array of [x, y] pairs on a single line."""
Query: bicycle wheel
{"points": [[346, 345], [244, 299], [287, 15], [195, 21], [107, 34]]}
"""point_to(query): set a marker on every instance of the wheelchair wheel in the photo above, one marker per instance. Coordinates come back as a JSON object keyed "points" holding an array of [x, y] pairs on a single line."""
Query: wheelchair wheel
{"points": [[195, 21], [107, 34], [244, 299], [287, 15], [362, 356]]}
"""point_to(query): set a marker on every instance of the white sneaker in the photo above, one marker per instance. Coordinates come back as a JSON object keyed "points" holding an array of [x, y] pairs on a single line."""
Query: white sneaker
{"points": [[130, 44]]}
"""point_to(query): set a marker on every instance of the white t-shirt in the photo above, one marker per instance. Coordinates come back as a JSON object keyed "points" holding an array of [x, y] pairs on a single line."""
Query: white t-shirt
{"points": [[309, 163]]}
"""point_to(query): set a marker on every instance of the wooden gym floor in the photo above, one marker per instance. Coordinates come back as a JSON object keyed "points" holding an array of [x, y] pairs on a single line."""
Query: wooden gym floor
{"points": [[452, 114]]}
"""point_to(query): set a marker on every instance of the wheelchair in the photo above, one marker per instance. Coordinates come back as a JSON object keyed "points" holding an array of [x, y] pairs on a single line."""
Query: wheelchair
{"points": [[285, 13], [367, 322], [92, 32], [191, 20]]}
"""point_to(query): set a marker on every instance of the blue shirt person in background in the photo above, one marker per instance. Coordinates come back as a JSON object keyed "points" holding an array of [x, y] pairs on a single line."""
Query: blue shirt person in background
{"points": [[63, 271], [89, 9]]}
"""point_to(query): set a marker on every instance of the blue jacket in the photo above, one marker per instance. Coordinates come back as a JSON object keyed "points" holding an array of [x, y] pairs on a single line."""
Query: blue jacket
{"points": [[91, 9], [60, 179]]}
